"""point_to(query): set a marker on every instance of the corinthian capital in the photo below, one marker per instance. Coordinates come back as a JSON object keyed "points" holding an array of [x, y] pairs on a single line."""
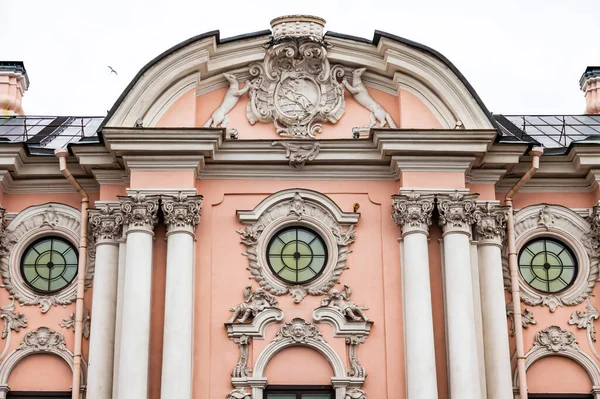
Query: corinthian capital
{"points": [[181, 211], [106, 222], [490, 222], [139, 211], [412, 212], [456, 211]]}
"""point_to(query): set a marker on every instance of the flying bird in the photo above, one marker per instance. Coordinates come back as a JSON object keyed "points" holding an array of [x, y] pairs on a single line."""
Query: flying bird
{"points": [[112, 70]]}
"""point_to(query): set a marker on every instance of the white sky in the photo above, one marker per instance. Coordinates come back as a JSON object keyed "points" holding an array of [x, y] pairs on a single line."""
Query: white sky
{"points": [[522, 57]]}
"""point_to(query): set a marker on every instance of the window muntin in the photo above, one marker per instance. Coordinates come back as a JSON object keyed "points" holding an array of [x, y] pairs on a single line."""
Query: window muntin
{"points": [[547, 265], [49, 264], [297, 254]]}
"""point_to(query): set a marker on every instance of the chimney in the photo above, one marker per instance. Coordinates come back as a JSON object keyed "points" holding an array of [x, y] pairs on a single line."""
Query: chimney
{"points": [[590, 85], [14, 82]]}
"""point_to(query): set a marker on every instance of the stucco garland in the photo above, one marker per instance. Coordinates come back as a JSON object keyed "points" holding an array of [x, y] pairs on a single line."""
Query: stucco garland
{"points": [[297, 207], [568, 227], [29, 225]]}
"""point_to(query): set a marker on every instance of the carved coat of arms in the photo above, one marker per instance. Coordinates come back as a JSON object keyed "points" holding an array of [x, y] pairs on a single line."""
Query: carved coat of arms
{"points": [[295, 87]]}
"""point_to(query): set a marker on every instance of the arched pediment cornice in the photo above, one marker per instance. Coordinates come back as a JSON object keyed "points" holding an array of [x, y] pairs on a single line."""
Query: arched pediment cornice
{"points": [[393, 64]]}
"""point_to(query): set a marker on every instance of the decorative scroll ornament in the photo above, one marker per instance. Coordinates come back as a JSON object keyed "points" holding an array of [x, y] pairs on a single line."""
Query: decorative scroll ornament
{"points": [[594, 234], [241, 368], [4, 244], [456, 211], [490, 222], [12, 320], [298, 154], [292, 206], [586, 320], [43, 339], [355, 393], [340, 300], [33, 223], [219, 116], [181, 211], [356, 369], [569, 227], [239, 393], [526, 318], [254, 303], [69, 322], [295, 87], [299, 331], [378, 115], [555, 339], [139, 210], [412, 211], [106, 223]]}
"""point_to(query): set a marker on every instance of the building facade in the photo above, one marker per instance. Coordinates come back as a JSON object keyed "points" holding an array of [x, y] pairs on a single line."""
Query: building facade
{"points": [[299, 214]]}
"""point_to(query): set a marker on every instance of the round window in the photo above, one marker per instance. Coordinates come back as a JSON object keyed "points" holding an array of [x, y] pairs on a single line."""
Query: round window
{"points": [[297, 255], [49, 264], [547, 265]]}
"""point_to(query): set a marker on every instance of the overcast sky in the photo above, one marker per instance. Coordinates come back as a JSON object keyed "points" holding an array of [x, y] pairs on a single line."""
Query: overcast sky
{"points": [[521, 56]]}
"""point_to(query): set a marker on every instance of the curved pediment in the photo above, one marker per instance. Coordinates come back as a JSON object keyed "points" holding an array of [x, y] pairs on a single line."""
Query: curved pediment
{"points": [[298, 82]]}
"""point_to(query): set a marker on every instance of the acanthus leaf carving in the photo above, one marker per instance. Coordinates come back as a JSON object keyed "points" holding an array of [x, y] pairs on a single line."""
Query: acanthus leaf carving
{"points": [[299, 153], [12, 320], [254, 303], [181, 211], [139, 210], [69, 322], [340, 300], [106, 223], [299, 331], [456, 211], [43, 339], [294, 86], [412, 211], [586, 319], [239, 393], [378, 116], [356, 369], [527, 318], [490, 222], [555, 339]]}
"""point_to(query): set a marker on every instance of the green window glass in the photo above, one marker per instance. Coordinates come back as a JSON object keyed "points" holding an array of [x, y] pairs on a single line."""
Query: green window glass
{"points": [[49, 264], [297, 255], [547, 265]]}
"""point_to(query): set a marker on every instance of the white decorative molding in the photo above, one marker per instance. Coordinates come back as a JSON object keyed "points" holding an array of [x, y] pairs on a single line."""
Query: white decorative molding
{"points": [[299, 153], [342, 327], [456, 211], [69, 322], [298, 332], [490, 223], [527, 318], [220, 117], [239, 393], [291, 208], [295, 87], [29, 225], [43, 340], [13, 321], [412, 212], [377, 114], [567, 226], [586, 320], [340, 301], [139, 211], [254, 303], [106, 222], [554, 341], [355, 393], [181, 212], [258, 326], [241, 369]]}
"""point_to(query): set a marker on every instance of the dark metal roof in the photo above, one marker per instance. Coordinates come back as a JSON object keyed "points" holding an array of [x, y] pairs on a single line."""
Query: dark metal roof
{"points": [[18, 66], [589, 71], [556, 133]]}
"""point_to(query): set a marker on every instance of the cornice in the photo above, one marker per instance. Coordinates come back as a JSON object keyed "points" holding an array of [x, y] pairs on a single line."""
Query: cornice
{"points": [[164, 163], [484, 176], [40, 185], [104, 176], [550, 184], [437, 163]]}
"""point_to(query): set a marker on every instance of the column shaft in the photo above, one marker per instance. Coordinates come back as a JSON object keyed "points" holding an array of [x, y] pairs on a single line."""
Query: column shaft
{"points": [[119, 314], [102, 336], [106, 224], [182, 214], [412, 212]]}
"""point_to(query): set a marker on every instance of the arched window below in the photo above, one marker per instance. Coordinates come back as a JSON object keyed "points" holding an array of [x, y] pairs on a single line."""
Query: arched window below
{"points": [[299, 392]]}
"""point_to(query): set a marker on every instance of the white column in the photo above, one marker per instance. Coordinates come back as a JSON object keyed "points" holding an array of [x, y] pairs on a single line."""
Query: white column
{"points": [[412, 213], [182, 215], [491, 229], [456, 217], [119, 315], [106, 225], [139, 213]]}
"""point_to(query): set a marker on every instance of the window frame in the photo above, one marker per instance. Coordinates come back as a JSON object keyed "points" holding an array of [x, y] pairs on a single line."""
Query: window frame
{"points": [[38, 394], [298, 390]]}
